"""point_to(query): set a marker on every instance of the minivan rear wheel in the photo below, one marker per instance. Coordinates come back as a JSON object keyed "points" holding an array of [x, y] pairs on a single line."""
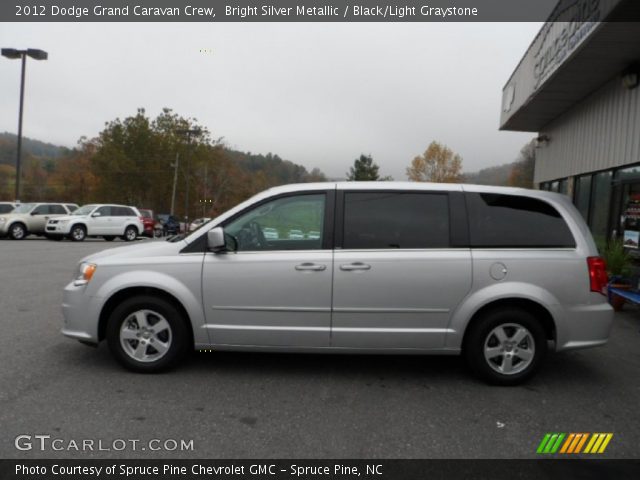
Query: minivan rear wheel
{"points": [[505, 346], [147, 334]]}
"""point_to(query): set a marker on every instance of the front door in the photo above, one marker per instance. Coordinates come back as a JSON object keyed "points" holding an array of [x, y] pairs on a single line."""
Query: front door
{"points": [[275, 288], [396, 279]]}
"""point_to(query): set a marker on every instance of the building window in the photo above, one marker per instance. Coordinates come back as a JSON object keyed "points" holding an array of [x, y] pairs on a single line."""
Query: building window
{"points": [[600, 202], [583, 195], [563, 186]]}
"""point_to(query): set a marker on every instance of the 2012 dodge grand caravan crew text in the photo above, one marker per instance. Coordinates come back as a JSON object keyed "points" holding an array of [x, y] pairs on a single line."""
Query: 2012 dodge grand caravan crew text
{"points": [[495, 274]]}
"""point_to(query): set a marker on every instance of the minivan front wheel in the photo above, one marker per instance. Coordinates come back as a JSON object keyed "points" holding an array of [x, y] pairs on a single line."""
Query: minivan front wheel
{"points": [[505, 346], [147, 334]]}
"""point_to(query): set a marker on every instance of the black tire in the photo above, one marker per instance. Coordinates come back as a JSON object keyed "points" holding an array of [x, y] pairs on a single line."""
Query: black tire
{"points": [[109, 238], [506, 322], [18, 231], [178, 337], [78, 233], [130, 234]]}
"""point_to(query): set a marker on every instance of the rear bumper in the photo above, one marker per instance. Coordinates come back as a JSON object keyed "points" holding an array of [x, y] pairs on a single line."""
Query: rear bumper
{"points": [[584, 326]]}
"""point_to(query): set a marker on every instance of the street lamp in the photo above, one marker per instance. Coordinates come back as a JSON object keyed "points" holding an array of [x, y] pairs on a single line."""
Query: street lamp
{"points": [[15, 54], [189, 133]]}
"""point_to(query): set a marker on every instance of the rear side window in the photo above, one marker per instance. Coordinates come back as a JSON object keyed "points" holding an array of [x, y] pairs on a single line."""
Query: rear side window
{"points": [[72, 208], [512, 221], [6, 208], [382, 220], [122, 212]]}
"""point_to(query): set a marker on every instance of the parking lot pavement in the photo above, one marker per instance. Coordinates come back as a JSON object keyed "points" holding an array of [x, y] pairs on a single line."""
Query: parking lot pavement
{"points": [[235, 405]]}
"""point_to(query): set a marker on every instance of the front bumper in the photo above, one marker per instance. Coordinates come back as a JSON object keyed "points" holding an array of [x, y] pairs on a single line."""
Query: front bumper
{"points": [[56, 229], [81, 314]]}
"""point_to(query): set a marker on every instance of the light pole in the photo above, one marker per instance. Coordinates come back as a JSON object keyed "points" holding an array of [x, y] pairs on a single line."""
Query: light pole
{"points": [[189, 132], [14, 54]]}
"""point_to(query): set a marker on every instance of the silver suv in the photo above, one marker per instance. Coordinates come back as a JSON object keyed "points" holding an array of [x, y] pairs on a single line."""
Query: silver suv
{"points": [[31, 218], [494, 274]]}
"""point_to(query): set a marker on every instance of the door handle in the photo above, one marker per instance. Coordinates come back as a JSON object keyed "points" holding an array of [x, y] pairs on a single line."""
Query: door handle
{"points": [[349, 267], [312, 267]]}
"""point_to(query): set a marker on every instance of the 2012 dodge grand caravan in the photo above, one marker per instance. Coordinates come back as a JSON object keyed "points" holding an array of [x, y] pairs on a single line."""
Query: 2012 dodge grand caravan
{"points": [[494, 274]]}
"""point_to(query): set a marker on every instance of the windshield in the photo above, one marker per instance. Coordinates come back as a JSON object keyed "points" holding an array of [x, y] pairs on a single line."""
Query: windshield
{"points": [[24, 208], [84, 210], [146, 213]]}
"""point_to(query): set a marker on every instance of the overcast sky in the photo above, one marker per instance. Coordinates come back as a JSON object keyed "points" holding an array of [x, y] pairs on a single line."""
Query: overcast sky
{"points": [[316, 94]]}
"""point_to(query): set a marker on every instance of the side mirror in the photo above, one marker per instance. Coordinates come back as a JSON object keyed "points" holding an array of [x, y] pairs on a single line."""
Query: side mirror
{"points": [[35, 212], [215, 239], [97, 214]]}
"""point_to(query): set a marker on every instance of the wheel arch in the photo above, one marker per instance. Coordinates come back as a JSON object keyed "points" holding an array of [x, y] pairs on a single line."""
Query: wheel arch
{"points": [[540, 312], [121, 295]]}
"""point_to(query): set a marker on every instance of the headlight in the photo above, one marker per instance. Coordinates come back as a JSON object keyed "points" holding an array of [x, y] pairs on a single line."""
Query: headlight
{"points": [[84, 273]]}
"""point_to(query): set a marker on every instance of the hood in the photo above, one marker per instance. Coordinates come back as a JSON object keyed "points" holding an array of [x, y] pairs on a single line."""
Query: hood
{"points": [[142, 250]]}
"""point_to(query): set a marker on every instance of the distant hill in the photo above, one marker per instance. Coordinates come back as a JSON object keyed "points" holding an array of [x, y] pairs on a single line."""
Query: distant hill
{"points": [[490, 176], [30, 147]]}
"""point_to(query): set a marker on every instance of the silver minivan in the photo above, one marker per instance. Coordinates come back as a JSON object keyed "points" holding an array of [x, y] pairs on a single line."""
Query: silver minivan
{"points": [[499, 275]]}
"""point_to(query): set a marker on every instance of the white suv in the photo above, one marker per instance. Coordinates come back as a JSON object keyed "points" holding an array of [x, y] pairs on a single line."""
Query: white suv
{"points": [[107, 221]]}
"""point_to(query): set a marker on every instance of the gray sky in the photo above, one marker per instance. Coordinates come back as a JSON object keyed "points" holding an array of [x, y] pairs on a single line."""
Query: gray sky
{"points": [[316, 94]]}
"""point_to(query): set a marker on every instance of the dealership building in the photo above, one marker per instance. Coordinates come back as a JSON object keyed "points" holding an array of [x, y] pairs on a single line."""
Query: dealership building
{"points": [[577, 88]]}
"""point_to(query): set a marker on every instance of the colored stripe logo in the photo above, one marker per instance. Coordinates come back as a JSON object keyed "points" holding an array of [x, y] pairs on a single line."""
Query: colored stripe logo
{"points": [[572, 443]]}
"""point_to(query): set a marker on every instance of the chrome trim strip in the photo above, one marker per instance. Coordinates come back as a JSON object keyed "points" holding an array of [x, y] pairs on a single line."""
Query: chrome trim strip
{"points": [[390, 310], [390, 330], [267, 327], [272, 309]]}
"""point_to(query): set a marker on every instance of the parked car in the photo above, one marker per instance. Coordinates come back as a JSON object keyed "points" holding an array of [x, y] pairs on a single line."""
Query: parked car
{"points": [[6, 207], [30, 218], [197, 223], [270, 233], [148, 222], [107, 221], [296, 234], [496, 274], [171, 225]]}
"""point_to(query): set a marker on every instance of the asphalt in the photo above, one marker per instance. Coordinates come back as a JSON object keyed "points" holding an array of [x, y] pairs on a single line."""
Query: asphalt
{"points": [[239, 405]]}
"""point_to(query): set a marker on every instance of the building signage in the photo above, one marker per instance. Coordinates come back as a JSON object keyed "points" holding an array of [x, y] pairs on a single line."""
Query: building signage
{"points": [[571, 22]]}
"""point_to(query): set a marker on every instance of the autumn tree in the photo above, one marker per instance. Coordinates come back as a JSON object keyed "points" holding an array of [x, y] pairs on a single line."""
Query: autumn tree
{"points": [[521, 174], [437, 164]]}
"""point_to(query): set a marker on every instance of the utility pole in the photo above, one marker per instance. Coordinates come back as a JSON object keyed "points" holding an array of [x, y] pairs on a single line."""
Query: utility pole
{"points": [[15, 54], [175, 181]]}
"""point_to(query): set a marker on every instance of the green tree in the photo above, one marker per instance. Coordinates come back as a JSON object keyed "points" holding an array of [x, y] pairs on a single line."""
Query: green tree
{"points": [[437, 164], [363, 169]]}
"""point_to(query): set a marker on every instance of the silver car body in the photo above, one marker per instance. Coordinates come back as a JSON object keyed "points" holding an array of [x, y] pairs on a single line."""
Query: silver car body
{"points": [[33, 217], [405, 301]]}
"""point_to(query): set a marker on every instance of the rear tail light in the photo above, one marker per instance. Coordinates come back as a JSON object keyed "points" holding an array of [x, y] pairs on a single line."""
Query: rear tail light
{"points": [[598, 274]]}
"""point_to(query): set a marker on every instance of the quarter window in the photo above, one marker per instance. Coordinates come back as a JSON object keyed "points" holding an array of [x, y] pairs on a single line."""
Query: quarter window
{"points": [[287, 223], [511, 221], [382, 220]]}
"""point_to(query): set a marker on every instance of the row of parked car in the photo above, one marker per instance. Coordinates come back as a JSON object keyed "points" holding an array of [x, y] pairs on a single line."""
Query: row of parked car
{"points": [[57, 221]]}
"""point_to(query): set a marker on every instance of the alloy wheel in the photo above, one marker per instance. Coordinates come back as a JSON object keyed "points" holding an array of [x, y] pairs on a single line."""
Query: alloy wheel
{"points": [[145, 336], [509, 348]]}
